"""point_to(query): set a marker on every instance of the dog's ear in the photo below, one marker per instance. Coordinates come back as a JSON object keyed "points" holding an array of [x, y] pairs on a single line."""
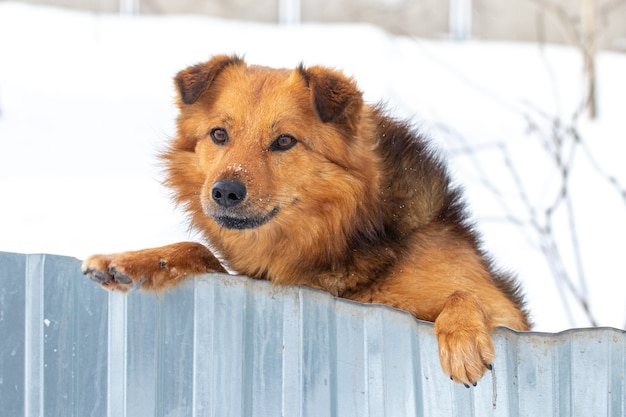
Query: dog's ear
{"points": [[193, 81], [336, 98]]}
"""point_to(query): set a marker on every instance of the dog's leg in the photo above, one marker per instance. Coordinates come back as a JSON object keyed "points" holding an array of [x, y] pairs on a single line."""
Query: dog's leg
{"points": [[463, 330], [152, 269]]}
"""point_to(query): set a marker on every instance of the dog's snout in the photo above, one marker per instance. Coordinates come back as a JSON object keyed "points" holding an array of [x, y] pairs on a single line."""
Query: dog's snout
{"points": [[228, 193]]}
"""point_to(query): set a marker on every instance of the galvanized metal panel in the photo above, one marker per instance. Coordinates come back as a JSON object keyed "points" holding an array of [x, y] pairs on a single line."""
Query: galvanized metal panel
{"points": [[12, 333], [230, 346]]}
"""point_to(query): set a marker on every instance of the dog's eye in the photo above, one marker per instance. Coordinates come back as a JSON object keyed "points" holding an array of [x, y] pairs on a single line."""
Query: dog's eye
{"points": [[284, 142], [219, 135]]}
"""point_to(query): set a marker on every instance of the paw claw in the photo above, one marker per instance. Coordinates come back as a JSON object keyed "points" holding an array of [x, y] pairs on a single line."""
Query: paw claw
{"points": [[97, 276], [119, 277]]}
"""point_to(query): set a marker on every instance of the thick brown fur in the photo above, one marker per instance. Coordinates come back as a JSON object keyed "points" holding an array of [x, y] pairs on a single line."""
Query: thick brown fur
{"points": [[292, 178]]}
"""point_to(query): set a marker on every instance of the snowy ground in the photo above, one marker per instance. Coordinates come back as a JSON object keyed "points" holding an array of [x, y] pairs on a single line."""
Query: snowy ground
{"points": [[86, 102]]}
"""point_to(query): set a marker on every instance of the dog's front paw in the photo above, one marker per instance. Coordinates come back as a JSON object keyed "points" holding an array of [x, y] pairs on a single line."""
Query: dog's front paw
{"points": [[464, 335], [155, 268], [111, 272]]}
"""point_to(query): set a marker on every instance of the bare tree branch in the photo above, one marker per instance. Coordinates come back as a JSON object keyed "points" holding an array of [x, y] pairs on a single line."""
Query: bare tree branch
{"points": [[584, 33]]}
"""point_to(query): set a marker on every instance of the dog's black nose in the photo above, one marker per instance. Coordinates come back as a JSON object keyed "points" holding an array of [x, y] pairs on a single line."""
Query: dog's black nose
{"points": [[228, 193]]}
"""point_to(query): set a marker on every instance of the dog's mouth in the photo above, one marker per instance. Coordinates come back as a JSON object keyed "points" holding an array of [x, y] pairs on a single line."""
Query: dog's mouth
{"points": [[243, 222]]}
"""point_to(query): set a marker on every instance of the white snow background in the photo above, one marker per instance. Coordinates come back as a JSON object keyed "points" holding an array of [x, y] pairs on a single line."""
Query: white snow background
{"points": [[86, 102]]}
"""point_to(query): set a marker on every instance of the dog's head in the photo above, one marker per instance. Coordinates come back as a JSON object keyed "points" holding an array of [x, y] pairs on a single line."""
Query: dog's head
{"points": [[272, 151]]}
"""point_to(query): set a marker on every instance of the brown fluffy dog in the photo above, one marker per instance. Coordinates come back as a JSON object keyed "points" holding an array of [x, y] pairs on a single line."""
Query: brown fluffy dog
{"points": [[293, 179]]}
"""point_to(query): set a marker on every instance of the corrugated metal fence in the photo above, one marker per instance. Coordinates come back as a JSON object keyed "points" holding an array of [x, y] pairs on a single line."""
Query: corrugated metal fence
{"points": [[230, 346]]}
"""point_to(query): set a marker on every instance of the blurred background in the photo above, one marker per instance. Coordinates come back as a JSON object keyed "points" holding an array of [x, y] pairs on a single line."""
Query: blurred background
{"points": [[553, 21]]}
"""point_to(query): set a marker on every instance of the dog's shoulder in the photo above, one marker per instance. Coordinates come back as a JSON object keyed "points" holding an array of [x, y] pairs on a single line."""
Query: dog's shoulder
{"points": [[416, 187]]}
